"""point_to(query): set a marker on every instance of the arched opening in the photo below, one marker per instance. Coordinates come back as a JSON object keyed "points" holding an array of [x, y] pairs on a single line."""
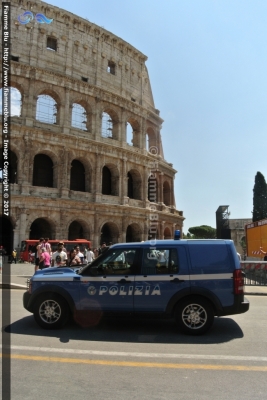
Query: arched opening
{"points": [[106, 181], [151, 142], [134, 185], [152, 194], [76, 231], [109, 233], [129, 134], [106, 235], [107, 126], [15, 102], [110, 180], [166, 194], [132, 132], [7, 235], [79, 117], [77, 176], [42, 171], [130, 191], [46, 109], [40, 228], [133, 233], [167, 233]]}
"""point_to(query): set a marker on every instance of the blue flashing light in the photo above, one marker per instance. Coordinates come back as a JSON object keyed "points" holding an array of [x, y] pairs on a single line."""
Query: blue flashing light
{"points": [[177, 235]]}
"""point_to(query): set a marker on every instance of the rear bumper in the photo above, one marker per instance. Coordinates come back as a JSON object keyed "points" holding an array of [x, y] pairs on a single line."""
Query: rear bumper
{"points": [[240, 306], [244, 306]]}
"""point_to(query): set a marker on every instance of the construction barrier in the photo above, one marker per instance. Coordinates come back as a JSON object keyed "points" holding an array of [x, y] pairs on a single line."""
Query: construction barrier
{"points": [[256, 272]]}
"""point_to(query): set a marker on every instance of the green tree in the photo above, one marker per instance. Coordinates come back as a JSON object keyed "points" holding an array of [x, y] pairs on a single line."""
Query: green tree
{"points": [[203, 232], [259, 198]]}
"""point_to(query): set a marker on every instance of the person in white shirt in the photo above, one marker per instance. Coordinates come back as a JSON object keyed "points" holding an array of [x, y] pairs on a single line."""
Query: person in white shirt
{"points": [[90, 255], [59, 257], [79, 253]]}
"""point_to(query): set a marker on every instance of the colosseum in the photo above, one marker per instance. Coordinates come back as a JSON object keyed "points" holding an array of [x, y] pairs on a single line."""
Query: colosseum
{"points": [[86, 157]]}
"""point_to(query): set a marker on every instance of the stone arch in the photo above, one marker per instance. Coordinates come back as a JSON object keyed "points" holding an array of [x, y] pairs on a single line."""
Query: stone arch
{"points": [[81, 120], [151, 141], [17, 86], [166, 193], [134, 188], [48, 106], [43, 167], [87, 171], [15, 100], [110, 123], [109, 233], [42, 227], [167, 233], [133, 132], [110, 180], [133, 233], [54, 157], [78, 229], [77, 176]]}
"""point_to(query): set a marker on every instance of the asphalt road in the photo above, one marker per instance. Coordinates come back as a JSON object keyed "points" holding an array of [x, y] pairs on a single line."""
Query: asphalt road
{"points": [[139, 360]]}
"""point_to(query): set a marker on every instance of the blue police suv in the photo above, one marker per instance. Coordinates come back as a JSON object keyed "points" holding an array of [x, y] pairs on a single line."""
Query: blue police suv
{"points": [[190, 280]]}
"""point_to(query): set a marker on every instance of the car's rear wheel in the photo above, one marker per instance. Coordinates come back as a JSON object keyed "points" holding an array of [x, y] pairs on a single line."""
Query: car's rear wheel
{"points": [[51, 311], [194, 315]]}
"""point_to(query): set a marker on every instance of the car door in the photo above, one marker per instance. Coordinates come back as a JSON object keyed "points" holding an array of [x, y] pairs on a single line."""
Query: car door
{"points": [[108, 284], [164, 272]]}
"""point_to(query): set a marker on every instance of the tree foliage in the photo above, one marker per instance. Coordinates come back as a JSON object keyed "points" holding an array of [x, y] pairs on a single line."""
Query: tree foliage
{"points": [[259, 198], [203, 232]]}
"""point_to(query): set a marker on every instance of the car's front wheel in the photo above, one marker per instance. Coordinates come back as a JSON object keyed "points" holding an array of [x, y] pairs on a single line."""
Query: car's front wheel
{"points": [[194, 315], [51, 311]]}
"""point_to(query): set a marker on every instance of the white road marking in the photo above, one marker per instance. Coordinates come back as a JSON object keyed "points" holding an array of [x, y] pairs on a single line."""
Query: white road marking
{"points": [[140, 355]]}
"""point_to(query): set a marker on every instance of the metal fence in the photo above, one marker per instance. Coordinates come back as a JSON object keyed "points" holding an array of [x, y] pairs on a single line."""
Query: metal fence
{"points": [[256, 272]]}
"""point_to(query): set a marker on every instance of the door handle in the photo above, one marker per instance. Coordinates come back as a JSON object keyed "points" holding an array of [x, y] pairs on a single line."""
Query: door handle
{"points": [[124, 281], [176, 280]]}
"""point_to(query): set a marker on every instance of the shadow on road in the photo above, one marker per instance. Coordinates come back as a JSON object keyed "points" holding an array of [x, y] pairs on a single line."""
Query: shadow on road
{"points": [[131, 331]]}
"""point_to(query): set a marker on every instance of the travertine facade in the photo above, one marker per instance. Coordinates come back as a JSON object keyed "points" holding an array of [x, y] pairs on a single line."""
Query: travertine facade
{"points": [[237, 227], [84, 178]]}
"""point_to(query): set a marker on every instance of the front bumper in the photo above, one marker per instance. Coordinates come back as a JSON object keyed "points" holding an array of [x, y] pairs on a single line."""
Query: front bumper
{"points": [[26, 300]]}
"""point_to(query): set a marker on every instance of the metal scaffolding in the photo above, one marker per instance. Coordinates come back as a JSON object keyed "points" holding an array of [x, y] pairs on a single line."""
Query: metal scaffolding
{"points": [[222, 223]]}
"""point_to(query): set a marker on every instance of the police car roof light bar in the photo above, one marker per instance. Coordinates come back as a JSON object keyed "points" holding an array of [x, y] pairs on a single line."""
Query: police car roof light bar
{"points": [[177, 235]]}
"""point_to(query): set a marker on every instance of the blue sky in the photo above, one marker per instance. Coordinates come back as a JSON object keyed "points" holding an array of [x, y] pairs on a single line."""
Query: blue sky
{"points": [[207, 63]]}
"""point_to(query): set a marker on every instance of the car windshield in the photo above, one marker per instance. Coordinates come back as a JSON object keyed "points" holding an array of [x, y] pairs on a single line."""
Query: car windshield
{"points": [[114, 261]]}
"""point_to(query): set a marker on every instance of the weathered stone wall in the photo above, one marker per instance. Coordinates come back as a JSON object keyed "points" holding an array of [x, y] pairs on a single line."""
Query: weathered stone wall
{"points": [[84, 51]]}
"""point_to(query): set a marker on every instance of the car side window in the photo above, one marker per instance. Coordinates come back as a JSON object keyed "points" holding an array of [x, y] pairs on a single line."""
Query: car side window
{"points": [[159, 261], [114, 262]]}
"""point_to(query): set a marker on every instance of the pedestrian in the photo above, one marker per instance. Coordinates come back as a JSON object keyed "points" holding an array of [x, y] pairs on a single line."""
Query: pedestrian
{"points": [[14, 256], [95, 251], [90, 256], [44, 259], [79, 253], [74, 258], [103, 248], [265, 254], [47, 245], [59, 257], [38, 253]]}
